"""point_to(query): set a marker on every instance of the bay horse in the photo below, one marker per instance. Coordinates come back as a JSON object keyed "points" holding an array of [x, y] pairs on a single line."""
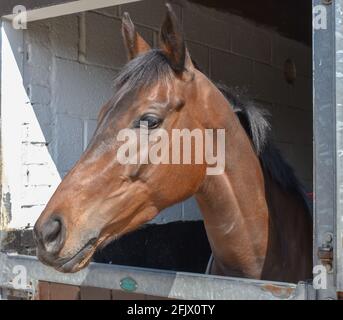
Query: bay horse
{"points": [[255, 213]]}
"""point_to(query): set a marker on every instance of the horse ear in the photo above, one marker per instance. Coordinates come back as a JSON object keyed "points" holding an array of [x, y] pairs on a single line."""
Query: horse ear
{"points": [[134, 43], [173, 43]]}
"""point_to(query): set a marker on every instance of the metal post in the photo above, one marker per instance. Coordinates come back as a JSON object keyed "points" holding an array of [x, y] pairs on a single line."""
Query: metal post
{"points": [[324, 145], [339, 141]]}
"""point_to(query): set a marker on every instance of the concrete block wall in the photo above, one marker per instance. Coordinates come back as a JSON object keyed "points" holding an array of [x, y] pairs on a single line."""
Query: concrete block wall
{"points": [[240, 53], [71, 61]]}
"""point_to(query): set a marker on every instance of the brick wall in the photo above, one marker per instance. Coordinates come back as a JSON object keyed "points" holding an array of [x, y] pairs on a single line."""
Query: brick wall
{"points": [[70, 62]]}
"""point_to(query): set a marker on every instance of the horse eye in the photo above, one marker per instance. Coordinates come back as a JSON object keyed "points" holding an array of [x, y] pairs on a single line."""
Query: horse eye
{"points": [[149, 121]]}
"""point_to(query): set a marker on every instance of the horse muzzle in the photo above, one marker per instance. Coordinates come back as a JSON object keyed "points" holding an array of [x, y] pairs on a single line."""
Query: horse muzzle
{"points": [[50, 238]]}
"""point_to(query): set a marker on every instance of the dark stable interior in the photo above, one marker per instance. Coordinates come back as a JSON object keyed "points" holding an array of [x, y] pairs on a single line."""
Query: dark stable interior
{"points": [[291, 18]]}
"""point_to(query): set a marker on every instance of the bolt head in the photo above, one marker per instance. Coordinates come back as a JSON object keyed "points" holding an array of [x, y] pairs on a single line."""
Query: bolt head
{"points": [[328, 237]]}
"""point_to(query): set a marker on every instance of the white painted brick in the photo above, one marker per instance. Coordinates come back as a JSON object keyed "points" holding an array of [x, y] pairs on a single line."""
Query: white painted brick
{"points": [[36, 75], [37, 32], [38, 48], [39, 94], [250, 41], [69, 137], [35, 153], [65, 36], [29, 215], [38, 56], [39, 175], [16, 41], [191, 210], [80, 90], [104, 44], [31, 132], [46, 130], [231, 69], [43, 113], [37, 123], [149, 12], [200, 54], [205, 29], [36, 195]]}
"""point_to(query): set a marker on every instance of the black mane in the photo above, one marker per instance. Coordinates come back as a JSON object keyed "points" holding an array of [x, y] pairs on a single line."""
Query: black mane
{"points": [[142, 72], [255, 123], [253, 119]]}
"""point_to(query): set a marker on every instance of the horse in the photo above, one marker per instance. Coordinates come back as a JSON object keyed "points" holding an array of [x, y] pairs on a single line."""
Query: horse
{"points": [[255, 212]]}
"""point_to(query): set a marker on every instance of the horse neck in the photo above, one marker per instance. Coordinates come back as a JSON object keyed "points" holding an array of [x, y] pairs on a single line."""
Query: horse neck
{"points": [[234, 206]]}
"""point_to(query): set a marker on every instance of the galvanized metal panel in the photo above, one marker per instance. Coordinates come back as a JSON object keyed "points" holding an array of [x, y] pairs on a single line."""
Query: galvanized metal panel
{"points": [[339, 141], [324, 140], [176, 285]]}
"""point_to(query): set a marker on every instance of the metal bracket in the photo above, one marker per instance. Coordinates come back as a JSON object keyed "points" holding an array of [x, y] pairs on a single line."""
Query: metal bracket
{"points": [[325, 253]]}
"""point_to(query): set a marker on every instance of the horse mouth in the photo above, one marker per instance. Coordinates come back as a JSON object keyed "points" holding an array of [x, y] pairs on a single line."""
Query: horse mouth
{"points": [[79, 261]]}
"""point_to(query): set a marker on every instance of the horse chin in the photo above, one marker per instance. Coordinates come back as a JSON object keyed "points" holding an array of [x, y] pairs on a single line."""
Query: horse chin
{"points": [[83, 257], [77, 262]]}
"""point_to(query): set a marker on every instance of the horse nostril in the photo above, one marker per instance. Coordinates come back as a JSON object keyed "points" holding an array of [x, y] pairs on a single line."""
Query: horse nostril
{"points": [[51, 235]]}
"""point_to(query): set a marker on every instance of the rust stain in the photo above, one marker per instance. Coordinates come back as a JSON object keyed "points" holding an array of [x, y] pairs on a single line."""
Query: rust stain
{"points": [[279, 291], [340, 295]]}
